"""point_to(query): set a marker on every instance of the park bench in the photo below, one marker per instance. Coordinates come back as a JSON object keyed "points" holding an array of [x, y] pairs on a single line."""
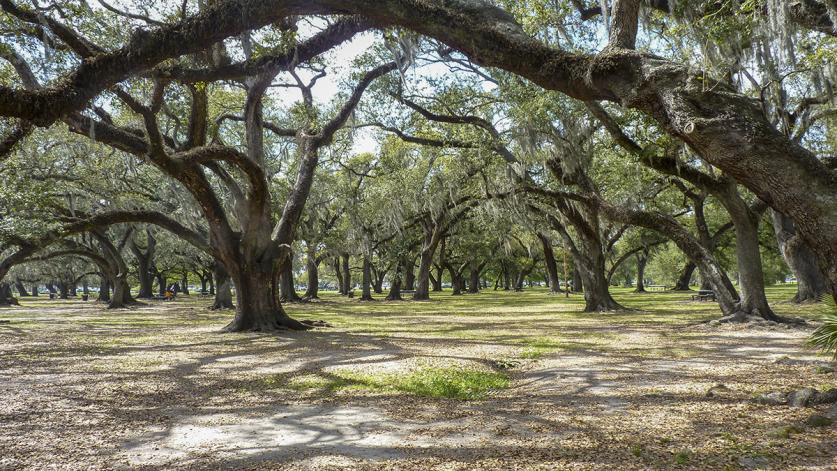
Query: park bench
{"points": [[704, 295], [656, 287]]}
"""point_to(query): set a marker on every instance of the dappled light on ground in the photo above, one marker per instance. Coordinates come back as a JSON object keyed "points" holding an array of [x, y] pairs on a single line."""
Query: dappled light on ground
{"points": [[491, 380]]}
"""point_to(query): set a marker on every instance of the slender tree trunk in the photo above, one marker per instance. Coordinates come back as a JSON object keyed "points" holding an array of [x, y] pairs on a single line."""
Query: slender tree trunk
{"points": [[35, 290], [287, 290], [551, 266], [184, 283], [312, 267], [338, 273], [161, 284], [811, 282], [641, 262], [347, 275], [578, 282], [366, 282], [204, 281]]}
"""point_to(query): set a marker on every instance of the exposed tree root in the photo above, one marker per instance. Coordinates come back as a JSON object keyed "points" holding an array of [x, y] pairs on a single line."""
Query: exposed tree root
{"points": [[742, 317]]}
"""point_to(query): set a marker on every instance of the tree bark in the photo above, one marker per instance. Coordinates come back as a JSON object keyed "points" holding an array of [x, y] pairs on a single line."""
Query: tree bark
{"points": [[474, 284], [410, 275], [287, 290], [21, 290], [641, 262], [811, 283], [312, 267], [395, 288], [366, 281], [338, 273], [684, 280], [104, 290], [223, 288]]}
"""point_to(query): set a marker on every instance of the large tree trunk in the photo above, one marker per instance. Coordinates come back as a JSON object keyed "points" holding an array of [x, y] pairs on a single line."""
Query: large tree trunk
{"points": [[35, 290], [811, 282], [145, 277], [753, 300], [121, 293], [257, 308], [63, 290], [366, 282], [641, 262], [223, 288], [474, 284]]}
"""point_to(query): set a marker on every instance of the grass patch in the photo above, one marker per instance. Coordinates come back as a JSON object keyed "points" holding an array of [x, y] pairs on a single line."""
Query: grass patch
{"points": [[447, 383]]}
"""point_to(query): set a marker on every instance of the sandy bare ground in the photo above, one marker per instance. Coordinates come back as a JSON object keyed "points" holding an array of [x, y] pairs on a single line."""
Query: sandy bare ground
{"points": [[160, 387]]}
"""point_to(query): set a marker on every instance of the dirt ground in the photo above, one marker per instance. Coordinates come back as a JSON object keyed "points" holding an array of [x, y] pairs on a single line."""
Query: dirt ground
{"points": [[159, 387]]}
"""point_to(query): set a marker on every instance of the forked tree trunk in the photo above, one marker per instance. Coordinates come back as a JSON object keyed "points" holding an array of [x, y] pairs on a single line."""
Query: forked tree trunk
{"points": [[423, 278], [395, 287], [685, 279], [21, 290], [753, 300]]}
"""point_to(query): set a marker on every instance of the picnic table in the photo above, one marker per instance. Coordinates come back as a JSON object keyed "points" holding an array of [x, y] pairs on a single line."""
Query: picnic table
{"points": [[705, 295]]}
